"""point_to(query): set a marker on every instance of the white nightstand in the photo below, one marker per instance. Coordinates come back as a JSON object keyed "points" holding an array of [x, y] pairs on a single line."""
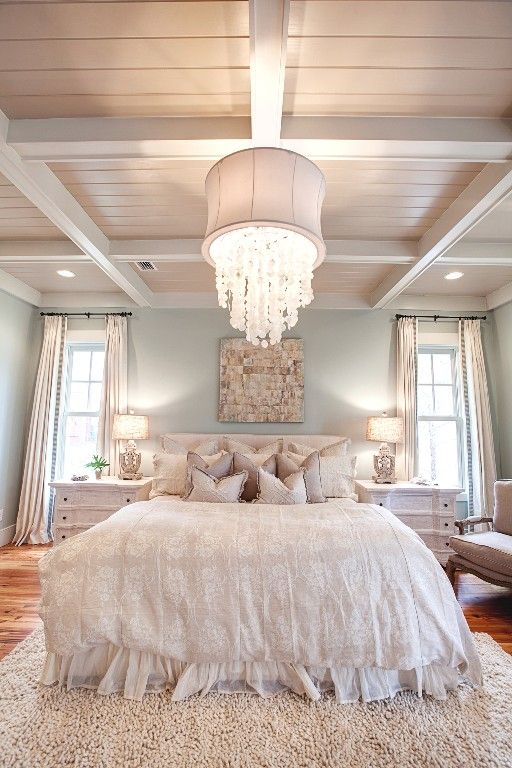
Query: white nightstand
{"points": [[80, 505], [427, 509]]}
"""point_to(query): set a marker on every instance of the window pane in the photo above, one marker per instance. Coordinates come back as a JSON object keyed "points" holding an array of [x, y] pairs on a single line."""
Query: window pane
{"points": [[94, 397], [78, 397], [79, 443], [442, 369], [444, 401], [425, 400], [424, 368], [438, 458], [97, 365], [81, 365]]}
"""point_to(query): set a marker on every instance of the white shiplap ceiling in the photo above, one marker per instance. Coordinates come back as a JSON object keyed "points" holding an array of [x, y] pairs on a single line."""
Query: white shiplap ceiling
{"points": [[406, 106]]}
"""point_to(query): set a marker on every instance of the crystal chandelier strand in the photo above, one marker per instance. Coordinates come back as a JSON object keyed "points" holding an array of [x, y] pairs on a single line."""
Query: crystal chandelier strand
{"points": [[263, 274]]}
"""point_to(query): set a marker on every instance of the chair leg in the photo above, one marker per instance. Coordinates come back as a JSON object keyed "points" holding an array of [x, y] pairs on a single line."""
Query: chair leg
{"points": [[450, 571]]}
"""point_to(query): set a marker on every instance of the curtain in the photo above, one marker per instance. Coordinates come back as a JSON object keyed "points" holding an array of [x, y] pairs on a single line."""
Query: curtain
{"points": [[406, 395], [481, 462], [33, 524], [114, 393]]}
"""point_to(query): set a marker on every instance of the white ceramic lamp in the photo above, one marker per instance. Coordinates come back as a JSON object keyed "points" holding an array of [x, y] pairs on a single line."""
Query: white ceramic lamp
{"points": [[129, 427], [384, 429]]}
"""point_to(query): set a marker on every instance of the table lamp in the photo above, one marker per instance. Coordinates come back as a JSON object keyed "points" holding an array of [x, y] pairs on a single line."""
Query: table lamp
{"points": [[384, 429], [129, 427]]}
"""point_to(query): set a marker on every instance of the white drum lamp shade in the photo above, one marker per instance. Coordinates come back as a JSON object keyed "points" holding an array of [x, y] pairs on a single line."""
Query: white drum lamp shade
{"points": [[385, 429], [264, 237], [128, 426]]}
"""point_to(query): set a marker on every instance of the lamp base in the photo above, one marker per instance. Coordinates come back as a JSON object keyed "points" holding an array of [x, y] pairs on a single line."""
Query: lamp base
{"points": [[130, 476], [129, 463], [384, 466]]}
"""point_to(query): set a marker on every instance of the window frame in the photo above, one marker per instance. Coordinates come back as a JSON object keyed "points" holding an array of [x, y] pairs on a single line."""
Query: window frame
{"points": [[458, 417], [71, 347]]}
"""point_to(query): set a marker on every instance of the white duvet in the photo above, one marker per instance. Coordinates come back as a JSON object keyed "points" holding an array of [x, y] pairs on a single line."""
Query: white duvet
{"points": [[232, 597]]}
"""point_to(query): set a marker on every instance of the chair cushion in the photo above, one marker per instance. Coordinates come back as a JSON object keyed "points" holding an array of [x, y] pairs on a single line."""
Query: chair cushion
{"points": [[491, 550], [503, 506]]}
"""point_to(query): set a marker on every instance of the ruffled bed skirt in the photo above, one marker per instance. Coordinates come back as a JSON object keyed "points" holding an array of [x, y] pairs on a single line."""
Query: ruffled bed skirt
{"points": [[110, 669]]}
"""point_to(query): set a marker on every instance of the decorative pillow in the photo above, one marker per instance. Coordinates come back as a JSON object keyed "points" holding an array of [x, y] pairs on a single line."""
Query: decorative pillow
{"points": [[251, 464], [337, 475], [335, 449], [231, 444], [311, 466], [205, 448], [219, 490], [220, 468], [170, 473], [291, 490]]}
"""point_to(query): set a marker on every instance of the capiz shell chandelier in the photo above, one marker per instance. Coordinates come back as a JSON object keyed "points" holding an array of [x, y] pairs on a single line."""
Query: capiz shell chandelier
{"points": [[264, 237]]}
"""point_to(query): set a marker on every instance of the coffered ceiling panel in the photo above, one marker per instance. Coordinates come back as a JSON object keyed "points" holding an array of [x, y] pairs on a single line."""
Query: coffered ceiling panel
{"points": [[44, 278], [403, 58], [124, 58], [20, 220], [476, 280]]}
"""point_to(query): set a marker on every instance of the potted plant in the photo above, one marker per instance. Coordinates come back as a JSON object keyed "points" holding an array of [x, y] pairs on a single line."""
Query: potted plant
{"points": [[98, 463]]}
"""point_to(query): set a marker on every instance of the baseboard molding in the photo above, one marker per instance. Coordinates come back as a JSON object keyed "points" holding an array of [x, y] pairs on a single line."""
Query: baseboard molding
{"points": [[7, 535]]}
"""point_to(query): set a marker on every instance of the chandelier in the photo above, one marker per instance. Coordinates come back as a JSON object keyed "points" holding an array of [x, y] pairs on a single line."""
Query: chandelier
{"points": [[264, 238]]}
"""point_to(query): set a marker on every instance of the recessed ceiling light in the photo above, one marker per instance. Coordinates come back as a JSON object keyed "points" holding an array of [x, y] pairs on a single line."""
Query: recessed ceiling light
{"points": [[453, 275], [65, 273]]}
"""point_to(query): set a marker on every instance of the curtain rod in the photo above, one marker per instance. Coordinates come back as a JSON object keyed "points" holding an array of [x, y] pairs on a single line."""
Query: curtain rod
{"points": [[435, 318], [88, 315]]}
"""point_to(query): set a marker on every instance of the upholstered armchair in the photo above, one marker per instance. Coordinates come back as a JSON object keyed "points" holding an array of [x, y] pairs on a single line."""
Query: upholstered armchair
{"points": [[487, 554]]}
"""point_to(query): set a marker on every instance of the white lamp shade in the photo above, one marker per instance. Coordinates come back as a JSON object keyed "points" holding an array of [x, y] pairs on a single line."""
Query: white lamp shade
{"points": [[385, 429], [265, 187], [127, 426]]}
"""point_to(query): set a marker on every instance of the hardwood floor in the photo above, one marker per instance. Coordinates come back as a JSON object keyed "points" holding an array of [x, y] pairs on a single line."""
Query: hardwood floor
{"points": [[487, 608]]}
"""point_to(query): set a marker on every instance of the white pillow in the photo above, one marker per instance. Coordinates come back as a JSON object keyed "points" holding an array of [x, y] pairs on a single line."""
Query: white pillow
{"points": [[205, 448], [334, 449], [337, 474], [291, 490], [223, 490], [231, 445], [170, 473]]}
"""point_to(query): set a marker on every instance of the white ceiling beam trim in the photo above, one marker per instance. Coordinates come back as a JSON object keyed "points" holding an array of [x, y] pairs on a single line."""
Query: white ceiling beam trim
{"points": [[484, 193], [472, 140], [97, 138], [500, 296], [268, 26], [39, 251], [40, 185], [478, 254], [20, 290]]}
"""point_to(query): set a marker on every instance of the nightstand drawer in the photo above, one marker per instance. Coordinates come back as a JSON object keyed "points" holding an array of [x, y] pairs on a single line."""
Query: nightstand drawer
{"points": [[437, 542], [63, 534], [410, 502], [67, 498], [82, 517]]}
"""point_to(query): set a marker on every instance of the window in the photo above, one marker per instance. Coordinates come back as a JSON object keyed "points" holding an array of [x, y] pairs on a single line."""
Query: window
{"points": [[79, 425], [440, 425]]}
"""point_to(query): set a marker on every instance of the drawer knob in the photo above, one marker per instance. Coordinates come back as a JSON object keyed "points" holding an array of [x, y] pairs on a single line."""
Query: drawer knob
{"points": [[446, 505], [381, 504], [65, 498], [447, 544], [446, 525], [63, 536], [64, 517], [127, 501]]}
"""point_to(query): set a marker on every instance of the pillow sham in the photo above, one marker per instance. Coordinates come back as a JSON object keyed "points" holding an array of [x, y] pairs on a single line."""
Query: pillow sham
{"points": [[221, 467], [206, 447], [311, 466], [337, 474], [232, 444], [222, 490], [272, 490], [170, 473], [251, 464], [334, 449]]}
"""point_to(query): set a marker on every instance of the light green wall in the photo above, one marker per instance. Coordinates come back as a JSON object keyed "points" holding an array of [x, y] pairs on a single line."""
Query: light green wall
{"points": [[503, 385], [18, 361]]}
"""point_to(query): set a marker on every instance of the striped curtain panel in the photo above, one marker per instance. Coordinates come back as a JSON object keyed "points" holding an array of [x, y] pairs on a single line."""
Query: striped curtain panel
{"points": [[481, 461], [33, 525], [114, 393], [407, 365]]}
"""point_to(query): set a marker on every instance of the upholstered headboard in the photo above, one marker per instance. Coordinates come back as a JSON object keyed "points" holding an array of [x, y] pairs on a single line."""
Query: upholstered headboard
{"points": [[190, 439]]}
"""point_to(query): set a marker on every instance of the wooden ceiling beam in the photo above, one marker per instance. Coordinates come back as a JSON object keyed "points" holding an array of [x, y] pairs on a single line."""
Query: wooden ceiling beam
{"points": [[473, 140], [20, 290], [480, 197]]}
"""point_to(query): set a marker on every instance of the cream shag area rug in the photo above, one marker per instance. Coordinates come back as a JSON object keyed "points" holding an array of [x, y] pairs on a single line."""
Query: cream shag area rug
{"points": [[47, 727]]}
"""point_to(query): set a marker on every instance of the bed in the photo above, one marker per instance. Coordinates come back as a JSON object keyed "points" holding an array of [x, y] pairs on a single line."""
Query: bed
{"points": [[195, 597]]}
